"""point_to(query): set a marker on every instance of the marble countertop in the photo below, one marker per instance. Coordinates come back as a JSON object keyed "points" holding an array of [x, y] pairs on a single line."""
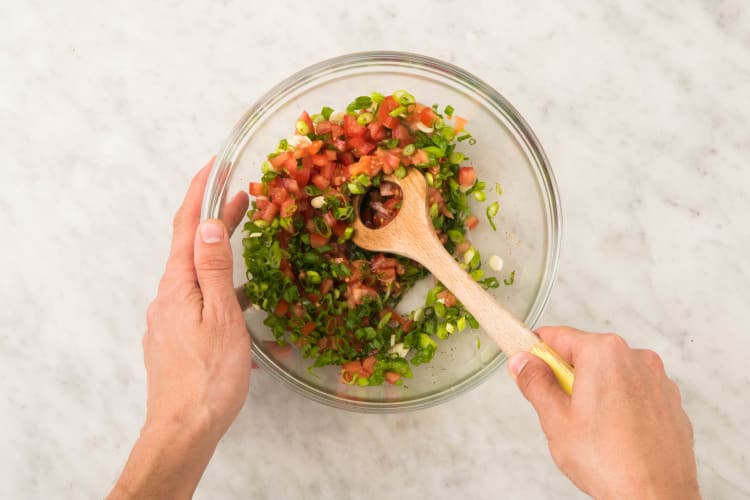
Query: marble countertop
{"points": [[107, 110]]}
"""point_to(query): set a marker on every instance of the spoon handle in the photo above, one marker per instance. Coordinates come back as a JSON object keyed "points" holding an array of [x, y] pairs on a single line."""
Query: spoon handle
{"points": [[510, 334]]}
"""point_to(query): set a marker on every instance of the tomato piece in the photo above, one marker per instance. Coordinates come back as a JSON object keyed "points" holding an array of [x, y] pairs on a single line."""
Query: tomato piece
{"points": [[420, 157], [269, 213], [339, 228], [318, 240], [427, 117], [466, 176], [329, 219], [352, 128], [360, 147], [308, 328], [322, 128], [401, 132], [447, 298], [353, 366], [368, 365], [256, 188], [279, 195], [320, 181], [459, 123], [388, 105], [298, 310], [289, 184], [320, 160], [302, 175], [328, 170], [314, 147], [326, 286], [278, 160], [377, 131], [392, 377], [336, 130], [472, 221], [261, 202], [347, 158], [288, 207], [282, 307], [331, 154]]}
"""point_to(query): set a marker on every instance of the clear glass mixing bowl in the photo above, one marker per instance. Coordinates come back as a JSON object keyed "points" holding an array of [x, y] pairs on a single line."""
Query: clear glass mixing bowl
{"points": [[506, 152]]}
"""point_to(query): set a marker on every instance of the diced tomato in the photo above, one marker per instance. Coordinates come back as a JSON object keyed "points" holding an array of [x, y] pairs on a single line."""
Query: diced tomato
{"points": [[360, 147], [290, 185], [327, 171], [352, 128], [269, 213], [388, 105], [314, 147], [329, 219], [366, 166], [336, 130], [326, 286], [306, 118], [322, 128], [472, 221], [256, 188], [331, 154], [347, 158], [466, 176], [308, 328], [261, 202], [288, 207], [427, 117], [401, 132], [368, 365], [298, 310], [282, 307], [278, 195], [301, 175], [420, 157], [392, 377], [353, 366], [447, 298], [320, 182], [278, 160], [318, 240], [339, 228], [377, 131], [459, 123], [320, 160]]}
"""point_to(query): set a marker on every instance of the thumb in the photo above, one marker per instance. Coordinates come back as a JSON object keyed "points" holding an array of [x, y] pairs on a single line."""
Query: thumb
{"points": [[539, 386], [213, 265]]}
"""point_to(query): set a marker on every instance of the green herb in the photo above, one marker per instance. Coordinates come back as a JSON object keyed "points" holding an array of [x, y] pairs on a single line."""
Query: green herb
{"points": [[326, 112], [449, 111]]}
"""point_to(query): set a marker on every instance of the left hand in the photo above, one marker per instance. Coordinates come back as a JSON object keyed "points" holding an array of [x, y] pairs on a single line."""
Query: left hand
{"points": [[196, 352]]}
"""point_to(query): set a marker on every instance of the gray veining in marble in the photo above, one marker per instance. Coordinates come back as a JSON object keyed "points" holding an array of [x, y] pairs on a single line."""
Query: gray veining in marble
{"points": [[106, 110]]}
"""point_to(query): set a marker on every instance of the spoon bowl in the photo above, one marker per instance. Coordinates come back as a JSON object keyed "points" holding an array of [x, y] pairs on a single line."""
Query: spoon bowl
{"points": [[411, 234]]}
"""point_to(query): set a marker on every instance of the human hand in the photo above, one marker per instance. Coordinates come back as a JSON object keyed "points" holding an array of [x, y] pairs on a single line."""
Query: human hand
{"points": [[623, 432], [196, 352]]}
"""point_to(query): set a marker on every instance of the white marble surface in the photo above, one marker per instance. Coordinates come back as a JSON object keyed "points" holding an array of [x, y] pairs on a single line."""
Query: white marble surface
{"points": [[106, 111]]}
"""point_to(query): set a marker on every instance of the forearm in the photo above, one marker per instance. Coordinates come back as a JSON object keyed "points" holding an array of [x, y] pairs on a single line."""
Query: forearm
{"points": [[164, 463]]}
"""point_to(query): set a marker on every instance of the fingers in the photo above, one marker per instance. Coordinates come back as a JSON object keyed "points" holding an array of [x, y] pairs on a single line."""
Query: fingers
{"points": [[563, 339], [213, 267], [180, 265], [540, 387], [235, 210]]}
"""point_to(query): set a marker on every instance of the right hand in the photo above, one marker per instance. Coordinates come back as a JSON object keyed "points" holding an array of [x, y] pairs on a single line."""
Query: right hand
{"points": [[623, 432]]}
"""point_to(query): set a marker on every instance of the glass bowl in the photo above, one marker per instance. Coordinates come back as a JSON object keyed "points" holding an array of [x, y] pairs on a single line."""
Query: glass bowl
{"points": [[506, 152]]}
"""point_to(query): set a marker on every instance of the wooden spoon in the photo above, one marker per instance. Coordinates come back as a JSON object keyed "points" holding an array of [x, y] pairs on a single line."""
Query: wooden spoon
{"points": [[412, 235]]}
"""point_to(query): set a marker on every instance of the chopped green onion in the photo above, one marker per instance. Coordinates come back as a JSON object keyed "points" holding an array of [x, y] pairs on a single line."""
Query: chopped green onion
{"points": [[439, 309], [430, 179], [312, 277], [462, 138], [403, 97], [498, 188], [479, 195], [362, 102], [355, 188], [455, 235], [364, 180], [365, 118], [409, 150], [511, 280], [321, 227], [438, 124], [384, 321], [477, 274], [434, 210], [389, 143], [343, 213], [491, 213], [326, 112], [456, 157], [461, 324], [448, 133], [317, 118], [312, 190], [400, 172], [449, 111], [348, 232], [399, 111], [302, 127], [377, 97]]}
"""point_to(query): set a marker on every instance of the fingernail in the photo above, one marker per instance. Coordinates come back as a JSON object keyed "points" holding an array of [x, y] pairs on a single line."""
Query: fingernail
{"points": [[516, 364], [211, 231]]}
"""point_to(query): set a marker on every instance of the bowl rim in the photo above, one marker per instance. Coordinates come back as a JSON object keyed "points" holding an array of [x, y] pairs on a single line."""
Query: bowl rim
{"points": [[233, 146]]}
